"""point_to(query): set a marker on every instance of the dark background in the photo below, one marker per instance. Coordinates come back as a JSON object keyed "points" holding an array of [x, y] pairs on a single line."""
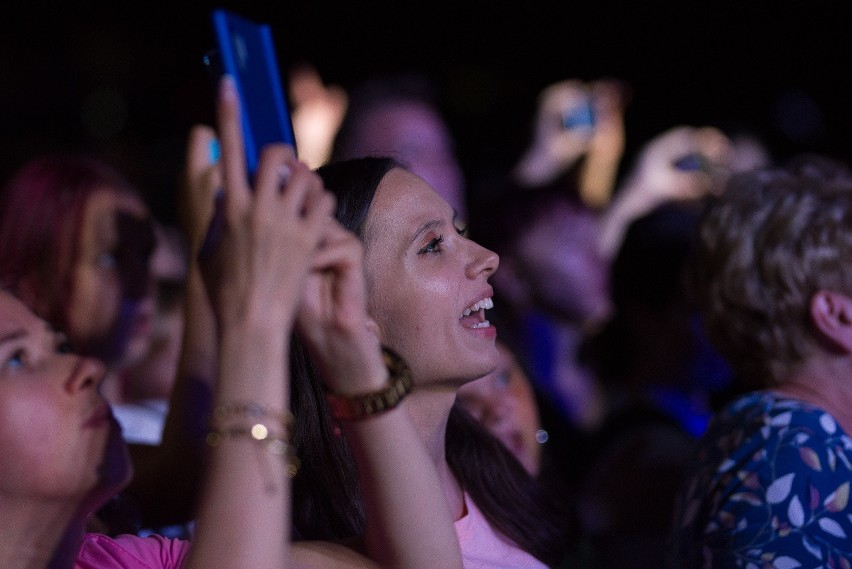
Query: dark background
{"points": [[126, 79]]}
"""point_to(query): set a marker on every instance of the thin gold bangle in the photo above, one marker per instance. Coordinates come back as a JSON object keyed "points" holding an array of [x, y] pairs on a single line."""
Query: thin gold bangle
{"points": [[276, 444]]}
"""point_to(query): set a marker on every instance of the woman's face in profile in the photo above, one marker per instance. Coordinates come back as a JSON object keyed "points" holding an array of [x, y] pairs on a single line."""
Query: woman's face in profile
{"points": [[427, 284], [57, 433], [111, 306]]}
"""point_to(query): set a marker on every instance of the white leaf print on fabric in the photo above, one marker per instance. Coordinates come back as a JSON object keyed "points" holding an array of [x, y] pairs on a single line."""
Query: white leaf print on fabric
{"points": [[826, 421], [780, 489], [784, 562], [832, 527], [796, 513], [781, 420]]}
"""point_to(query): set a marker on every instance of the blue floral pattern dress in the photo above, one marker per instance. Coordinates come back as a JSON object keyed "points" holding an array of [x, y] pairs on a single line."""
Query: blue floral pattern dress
{"points": [[769, 488]]}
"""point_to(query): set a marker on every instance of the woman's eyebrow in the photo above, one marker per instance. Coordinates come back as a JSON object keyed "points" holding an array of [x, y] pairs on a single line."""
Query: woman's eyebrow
{"points": [[12, 336], [434, 224]]}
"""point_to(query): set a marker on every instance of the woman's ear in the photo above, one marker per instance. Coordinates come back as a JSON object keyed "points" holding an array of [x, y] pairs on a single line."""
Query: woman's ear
{"points": [[831, 315]]}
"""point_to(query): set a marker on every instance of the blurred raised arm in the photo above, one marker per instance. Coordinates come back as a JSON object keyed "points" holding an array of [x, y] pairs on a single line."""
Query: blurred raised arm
{"points": [[254, 275]]}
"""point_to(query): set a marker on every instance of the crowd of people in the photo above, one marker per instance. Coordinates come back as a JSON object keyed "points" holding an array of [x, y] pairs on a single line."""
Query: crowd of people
{"points": [[360, 357]]}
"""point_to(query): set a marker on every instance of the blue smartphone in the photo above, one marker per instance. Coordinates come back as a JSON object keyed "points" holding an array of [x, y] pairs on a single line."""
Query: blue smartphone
{"points": [[247, 53]]}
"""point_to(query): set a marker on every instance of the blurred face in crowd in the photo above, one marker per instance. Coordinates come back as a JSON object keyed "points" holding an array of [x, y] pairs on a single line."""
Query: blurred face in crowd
{"points": [[504, 402], [559, 258], [110, 308], [415, 134], [153, 376], [58, 436]]}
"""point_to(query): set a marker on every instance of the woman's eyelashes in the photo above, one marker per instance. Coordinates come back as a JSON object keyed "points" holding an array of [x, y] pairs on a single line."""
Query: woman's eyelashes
{"points": [[22, 356], [433, 246]]}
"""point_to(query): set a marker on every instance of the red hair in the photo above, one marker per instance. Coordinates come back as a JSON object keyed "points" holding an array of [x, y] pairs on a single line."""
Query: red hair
{"points": [[41, 214]]}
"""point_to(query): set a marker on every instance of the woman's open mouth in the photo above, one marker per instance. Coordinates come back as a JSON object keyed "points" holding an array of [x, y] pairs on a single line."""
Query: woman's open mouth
{"points": [[474, 316]]}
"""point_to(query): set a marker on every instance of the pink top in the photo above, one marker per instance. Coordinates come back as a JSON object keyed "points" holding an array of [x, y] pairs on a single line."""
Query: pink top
{"points": [[131, 552], [484, 548]]}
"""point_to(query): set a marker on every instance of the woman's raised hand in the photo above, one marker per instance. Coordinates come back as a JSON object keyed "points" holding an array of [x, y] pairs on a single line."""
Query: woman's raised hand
{"points": [[333, 319], [270, 232]]}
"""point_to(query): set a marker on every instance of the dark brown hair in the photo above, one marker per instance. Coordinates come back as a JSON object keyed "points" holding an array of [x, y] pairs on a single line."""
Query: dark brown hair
{"points": [[327, 502]]}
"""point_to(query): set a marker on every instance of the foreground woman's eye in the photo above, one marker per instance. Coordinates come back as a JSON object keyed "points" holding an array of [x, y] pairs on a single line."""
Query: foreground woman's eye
{"points": [[16, 359], [434, 246], [461, 230]]}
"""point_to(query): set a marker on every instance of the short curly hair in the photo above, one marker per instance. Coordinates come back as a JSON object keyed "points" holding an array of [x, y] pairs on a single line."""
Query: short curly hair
{"points": [[773, 239]]}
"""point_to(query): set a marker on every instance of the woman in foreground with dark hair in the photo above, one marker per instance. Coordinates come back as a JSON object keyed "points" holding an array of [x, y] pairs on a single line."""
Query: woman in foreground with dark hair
{"points": [[428, 293]]}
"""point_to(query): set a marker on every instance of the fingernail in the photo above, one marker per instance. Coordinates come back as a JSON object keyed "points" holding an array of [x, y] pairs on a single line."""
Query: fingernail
{"points": [[227, 88]]}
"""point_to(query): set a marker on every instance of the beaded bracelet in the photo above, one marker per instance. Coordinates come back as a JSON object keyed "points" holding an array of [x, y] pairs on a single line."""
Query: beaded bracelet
{"points": [[353, 407]]}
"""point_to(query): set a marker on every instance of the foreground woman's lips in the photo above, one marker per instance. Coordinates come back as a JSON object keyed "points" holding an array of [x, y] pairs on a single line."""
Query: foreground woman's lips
{"points": [[101, 416]]}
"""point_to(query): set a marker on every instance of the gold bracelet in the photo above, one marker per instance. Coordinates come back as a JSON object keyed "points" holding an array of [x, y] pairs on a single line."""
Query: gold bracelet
{"points": [[228, 411], [276, 444], [353, 407]]}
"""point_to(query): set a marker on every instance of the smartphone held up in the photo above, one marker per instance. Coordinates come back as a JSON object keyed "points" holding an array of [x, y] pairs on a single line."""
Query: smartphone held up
{"points": [[246, 52]]}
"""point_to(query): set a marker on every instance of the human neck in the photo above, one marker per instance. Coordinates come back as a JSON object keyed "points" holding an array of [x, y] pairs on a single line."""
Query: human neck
{"points": [[430, 410], [39, 535], [824, 383]]}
